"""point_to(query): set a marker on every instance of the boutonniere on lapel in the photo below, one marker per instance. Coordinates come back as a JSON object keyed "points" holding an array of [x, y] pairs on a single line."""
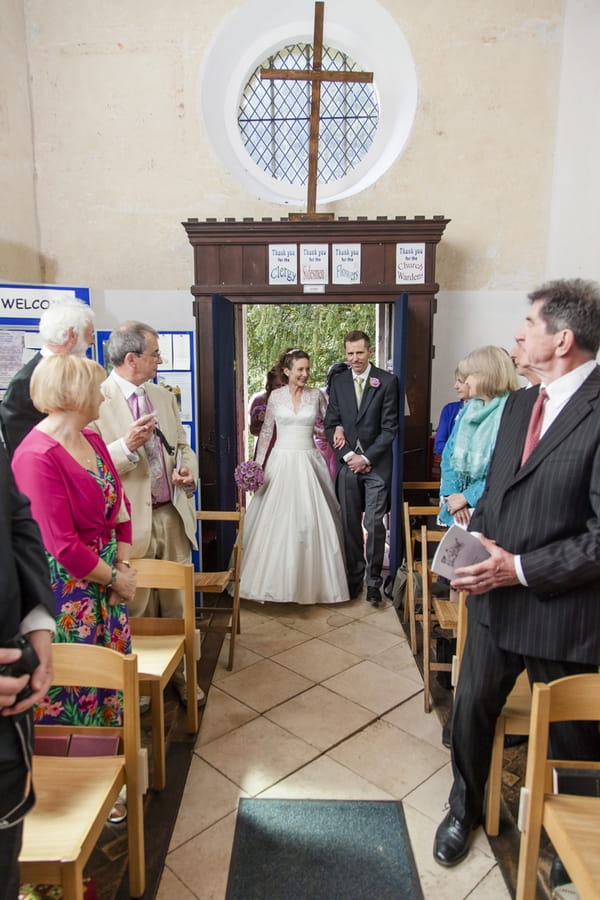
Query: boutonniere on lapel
{"points": [[374, 382]]}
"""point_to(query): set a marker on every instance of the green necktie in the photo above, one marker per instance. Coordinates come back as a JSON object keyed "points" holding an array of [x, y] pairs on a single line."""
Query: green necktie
{"points": [[358, 387]]}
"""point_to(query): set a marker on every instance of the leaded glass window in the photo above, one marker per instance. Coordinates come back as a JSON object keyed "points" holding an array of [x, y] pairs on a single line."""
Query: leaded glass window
{"points": [[274, 118]]}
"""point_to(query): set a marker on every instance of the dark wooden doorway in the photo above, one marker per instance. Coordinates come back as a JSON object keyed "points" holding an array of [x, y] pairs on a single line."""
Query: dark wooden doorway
{"points": [[231, 260]]}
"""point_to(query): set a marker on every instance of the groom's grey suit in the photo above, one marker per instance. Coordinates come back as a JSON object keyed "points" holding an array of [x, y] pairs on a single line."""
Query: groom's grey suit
{"points": [[369, 430]]}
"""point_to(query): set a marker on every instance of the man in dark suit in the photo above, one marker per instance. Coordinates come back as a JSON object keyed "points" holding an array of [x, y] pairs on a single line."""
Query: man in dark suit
{"points": [[361, 424], [534, 604], [65, 327], [26, 607]]}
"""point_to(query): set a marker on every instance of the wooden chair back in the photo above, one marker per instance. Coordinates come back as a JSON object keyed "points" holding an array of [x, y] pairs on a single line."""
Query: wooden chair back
{"points": [[217, 582], [435, 611], [572, 823], [161, 644], [412, 534], [74, 800]]}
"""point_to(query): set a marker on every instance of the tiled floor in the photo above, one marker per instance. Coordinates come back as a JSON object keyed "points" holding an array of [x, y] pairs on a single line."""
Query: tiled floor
{"points": [[323, 703]]}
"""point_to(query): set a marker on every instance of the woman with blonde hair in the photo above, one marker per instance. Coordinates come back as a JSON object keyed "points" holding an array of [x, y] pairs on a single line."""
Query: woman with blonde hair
{"points": [[78, 502], [466, 458]]}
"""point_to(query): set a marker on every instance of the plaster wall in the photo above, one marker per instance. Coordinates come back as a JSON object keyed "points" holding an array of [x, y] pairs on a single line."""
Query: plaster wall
{"points": [[19, 240], [103, 154]]}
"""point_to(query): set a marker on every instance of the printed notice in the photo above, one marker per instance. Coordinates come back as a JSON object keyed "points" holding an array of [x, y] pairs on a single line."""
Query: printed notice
{"points": [[410, 263], [283, 264], [458, 548], [345, 263], [314, 263]]}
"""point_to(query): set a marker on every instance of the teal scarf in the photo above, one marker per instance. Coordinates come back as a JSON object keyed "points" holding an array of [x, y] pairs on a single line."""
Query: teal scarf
{"points": [[476, 434]]}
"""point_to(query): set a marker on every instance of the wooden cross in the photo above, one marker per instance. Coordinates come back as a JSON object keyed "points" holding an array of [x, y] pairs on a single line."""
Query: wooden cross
{"points": [[317, 76]]}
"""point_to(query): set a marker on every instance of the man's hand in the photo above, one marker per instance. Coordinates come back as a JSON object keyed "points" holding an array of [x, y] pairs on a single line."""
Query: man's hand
{"points": [[139, 431], [358, 464], [497, 571], [10, 687], [183, 478], [40, 679], [339, 437]]}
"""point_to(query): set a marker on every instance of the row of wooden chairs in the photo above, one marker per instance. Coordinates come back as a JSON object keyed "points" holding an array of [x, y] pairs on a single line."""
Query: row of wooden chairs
{"points": [[73, 802]]}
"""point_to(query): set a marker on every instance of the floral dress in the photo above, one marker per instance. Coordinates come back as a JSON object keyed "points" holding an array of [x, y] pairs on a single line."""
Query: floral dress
{"points": [[83, 615]]}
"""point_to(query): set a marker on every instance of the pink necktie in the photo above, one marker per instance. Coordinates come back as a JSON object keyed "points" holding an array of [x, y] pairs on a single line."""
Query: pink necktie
{"points": [[158, 479], [535, 425]]}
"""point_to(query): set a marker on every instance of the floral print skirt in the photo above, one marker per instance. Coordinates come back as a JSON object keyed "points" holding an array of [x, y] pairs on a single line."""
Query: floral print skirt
{"points": [[83, 615]]}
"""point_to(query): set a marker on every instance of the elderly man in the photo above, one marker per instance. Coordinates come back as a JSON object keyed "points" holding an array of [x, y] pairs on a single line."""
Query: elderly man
{"points": [[65, 327], [26, 608], [140, 423], [534, 602]]}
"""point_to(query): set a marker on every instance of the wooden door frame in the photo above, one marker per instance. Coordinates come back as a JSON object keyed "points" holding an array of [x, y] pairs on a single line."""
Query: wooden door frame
{"points": [[231, 259]]}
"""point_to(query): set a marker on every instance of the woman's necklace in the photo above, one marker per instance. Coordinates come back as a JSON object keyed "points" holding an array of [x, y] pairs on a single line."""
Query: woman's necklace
{"points": [[88, 462]]}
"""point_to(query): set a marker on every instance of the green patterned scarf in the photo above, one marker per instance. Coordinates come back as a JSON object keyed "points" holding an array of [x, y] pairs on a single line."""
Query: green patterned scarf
{"points": [[476, 434]]}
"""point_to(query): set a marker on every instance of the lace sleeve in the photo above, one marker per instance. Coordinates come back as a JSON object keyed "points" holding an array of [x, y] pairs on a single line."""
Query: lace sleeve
{"points": [[266, 433]]}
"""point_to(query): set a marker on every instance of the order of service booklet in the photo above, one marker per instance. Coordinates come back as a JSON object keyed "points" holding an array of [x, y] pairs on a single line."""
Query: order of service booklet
{"points": [[458, 548]]}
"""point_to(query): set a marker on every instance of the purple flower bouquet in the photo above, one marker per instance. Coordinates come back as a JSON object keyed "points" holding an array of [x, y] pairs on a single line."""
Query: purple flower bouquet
{"points": [[249, 475]]}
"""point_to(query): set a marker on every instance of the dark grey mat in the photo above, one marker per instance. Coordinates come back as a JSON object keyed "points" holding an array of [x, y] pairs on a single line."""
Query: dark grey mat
{"points": [[329, 849]]}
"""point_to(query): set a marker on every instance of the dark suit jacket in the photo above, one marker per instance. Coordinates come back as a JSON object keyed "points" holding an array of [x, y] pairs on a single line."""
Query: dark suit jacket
{"points": [[25, 576], [374, 425], [549, 512], [17, 413]]}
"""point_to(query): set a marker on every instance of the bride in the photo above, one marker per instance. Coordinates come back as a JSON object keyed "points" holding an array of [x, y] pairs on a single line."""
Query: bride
{"points": [[293, 536]]}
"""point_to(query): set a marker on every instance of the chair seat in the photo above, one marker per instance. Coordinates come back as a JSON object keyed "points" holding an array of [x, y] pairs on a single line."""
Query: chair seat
{"points": [[61, 822], [158, 654], [446, 612], [574, 825], [211, 582]]}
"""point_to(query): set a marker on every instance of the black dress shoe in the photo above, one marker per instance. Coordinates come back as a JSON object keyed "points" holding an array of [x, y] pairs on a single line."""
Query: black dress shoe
{"points": [[374, 595], [558, 873], [355, 589], [452, 840]]}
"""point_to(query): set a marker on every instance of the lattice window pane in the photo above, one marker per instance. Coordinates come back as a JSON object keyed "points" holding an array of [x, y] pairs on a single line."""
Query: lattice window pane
{"points": [[274, 118]]}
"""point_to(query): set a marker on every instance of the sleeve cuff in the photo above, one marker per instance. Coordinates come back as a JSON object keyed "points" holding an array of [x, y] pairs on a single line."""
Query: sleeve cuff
{"points": [[39, 619], [519, 571]]}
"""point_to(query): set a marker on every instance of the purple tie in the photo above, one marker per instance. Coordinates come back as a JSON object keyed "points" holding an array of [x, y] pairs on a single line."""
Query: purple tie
{"points": [[535, 425]]}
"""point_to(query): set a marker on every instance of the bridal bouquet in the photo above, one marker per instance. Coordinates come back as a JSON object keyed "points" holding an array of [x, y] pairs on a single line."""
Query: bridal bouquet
{"points": [[249, 475]]}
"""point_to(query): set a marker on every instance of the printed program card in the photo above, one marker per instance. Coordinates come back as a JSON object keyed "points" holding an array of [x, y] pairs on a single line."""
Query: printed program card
{"points": [[458, 548]]}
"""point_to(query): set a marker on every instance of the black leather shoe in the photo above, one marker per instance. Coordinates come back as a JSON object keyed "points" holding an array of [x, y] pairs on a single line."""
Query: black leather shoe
{"points": [[374, 595], [558, 873], [452, 840]]}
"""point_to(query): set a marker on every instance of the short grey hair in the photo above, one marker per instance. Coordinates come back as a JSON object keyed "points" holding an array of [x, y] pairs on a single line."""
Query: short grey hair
{"points": [[56, 321], [130, 337], [571, 303]]}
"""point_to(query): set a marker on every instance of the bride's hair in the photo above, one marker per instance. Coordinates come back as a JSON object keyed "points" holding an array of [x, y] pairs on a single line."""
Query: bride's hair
{"points": [[287, 358]]}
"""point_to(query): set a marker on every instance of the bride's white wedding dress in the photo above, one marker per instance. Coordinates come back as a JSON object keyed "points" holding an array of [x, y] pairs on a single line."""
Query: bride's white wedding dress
{"points": [[293, 540]]}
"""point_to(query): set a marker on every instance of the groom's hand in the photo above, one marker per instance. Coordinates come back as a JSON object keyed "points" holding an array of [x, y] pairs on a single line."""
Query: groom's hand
{"points": [[357, 464]]}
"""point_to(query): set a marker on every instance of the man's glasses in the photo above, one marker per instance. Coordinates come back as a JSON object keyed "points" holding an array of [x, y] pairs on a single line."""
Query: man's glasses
{"points": [[154, 355]]}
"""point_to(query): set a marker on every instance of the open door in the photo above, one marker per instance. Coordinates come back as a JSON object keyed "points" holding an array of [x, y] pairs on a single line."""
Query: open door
{"points": [[399, 346], [224, 439]]}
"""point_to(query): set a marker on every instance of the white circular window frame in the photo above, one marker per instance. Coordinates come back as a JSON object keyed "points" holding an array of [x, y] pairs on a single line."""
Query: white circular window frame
{"points": [[360, 28]]}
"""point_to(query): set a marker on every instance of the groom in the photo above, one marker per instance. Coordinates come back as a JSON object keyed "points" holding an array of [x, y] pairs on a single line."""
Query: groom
{"points": [[361, 424]]}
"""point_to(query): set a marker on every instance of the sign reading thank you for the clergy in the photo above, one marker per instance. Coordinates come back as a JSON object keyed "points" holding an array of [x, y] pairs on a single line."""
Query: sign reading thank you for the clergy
{"points": [[410, 263], [283, 264]]}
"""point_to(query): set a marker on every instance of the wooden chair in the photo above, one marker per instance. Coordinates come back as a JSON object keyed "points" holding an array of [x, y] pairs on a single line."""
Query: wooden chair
{"points": [[514, 719], [160, 645], [74, 797], [217, 582], [571, 822], [435, 611], [412, 534]]}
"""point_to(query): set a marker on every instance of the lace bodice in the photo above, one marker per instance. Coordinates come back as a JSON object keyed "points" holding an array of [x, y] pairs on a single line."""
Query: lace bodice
{"points": [[295, 424]]}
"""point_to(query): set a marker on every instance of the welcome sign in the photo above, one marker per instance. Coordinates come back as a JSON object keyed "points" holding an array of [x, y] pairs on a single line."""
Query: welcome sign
{"points": [[25, 303]]}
